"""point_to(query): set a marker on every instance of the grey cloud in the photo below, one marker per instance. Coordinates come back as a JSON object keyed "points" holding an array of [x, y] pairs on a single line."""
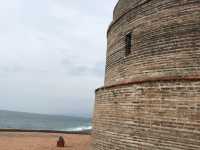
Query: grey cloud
{"points": [[96, 69], [11, 69], [50, 50]]}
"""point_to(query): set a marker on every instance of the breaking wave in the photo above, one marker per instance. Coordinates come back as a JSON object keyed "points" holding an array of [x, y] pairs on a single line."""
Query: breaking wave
{"points": [[81, 128]]}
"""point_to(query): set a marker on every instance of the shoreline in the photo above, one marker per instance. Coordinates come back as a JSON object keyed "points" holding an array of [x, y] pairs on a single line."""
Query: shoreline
{"points": [[84, 132]]}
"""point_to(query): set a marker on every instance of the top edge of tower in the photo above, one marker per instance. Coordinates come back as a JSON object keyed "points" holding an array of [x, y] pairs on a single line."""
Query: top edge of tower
{"points": [[123, 6]]}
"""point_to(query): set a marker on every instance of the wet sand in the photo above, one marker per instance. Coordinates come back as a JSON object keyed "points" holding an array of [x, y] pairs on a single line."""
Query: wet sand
{"points": [[42, 141]]}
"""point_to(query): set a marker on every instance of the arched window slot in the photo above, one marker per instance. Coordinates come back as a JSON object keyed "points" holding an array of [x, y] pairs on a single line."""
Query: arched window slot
{"points": [[128, 43]]}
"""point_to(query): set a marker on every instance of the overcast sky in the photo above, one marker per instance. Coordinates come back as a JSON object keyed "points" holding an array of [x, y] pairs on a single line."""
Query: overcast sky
{"points": [[52, 54]]}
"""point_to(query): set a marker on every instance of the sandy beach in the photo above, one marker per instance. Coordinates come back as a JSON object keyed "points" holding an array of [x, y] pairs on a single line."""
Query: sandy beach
{"points": [[42, 141]]}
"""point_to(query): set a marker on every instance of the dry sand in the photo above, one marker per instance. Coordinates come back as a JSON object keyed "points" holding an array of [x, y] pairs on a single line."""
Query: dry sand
{"points": [[42, 141]]}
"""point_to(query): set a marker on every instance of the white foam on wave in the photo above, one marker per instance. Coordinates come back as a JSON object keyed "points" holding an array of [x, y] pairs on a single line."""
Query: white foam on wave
{"points": [[81, 128]]}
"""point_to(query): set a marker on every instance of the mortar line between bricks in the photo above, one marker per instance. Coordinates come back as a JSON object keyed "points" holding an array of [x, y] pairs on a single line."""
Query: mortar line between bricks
{"points": [[166, 79]]}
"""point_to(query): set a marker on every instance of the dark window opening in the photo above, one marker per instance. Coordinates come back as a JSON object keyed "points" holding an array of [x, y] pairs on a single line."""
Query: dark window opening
{"points": [[128, 42]]}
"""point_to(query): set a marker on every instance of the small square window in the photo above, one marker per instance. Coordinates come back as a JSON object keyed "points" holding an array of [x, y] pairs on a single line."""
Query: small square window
{"points": [[128, 42]]}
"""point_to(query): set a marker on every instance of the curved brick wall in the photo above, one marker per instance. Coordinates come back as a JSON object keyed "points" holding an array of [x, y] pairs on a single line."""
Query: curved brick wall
{"points": [[148, 116], [166, 42], [151, 98], [124, 5]]}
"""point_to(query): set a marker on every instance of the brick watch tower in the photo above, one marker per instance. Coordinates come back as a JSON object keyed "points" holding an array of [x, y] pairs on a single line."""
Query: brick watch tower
{"points": [[151, 96]]}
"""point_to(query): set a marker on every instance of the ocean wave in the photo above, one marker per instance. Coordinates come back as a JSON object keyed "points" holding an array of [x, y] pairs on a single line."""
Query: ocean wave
{"points": [[81, 128]]}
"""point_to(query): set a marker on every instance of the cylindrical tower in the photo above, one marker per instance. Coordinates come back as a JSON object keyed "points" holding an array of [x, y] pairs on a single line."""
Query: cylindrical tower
{"points": [[151, 97]]}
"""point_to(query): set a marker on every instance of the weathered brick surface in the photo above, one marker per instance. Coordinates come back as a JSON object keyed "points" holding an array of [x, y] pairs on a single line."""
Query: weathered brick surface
{"points": [[148, 116], [166, 42], [124, 5], [151, 98]]}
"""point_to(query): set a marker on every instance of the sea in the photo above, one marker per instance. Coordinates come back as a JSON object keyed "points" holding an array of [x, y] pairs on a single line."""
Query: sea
{"points": [[30, 121]]}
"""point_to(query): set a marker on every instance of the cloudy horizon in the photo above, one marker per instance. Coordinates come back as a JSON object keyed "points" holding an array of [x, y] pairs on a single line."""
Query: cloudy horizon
{"points": [[52, 54]]}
